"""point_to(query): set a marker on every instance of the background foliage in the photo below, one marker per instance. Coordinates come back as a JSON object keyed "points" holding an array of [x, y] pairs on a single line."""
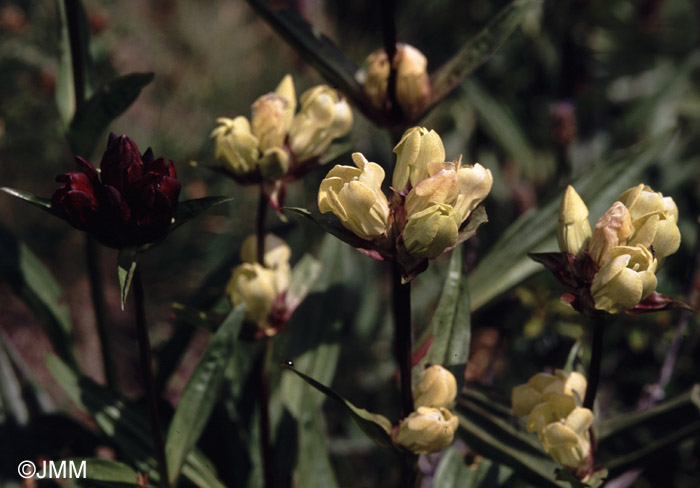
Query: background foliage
{"points": [[602, 94]]}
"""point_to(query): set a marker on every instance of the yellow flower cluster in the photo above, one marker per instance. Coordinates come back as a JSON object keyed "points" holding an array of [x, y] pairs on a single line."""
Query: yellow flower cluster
{"points": [[431, 427], [636, 233], [434, 197], [275, 137], [258, 286], [552, 405]]}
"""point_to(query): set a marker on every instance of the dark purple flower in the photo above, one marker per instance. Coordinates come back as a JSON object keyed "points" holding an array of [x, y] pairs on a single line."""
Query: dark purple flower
{"points": [[132, 205]]}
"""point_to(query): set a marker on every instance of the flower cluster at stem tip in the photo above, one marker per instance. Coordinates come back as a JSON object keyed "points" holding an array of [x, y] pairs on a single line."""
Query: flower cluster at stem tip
{"points": [[431, 204], [276, 142], [552, 405], [627, 245], [431, 427], [130, 201]]}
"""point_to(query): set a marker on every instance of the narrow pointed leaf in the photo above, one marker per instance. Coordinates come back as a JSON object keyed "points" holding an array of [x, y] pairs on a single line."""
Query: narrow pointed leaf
{"points": [[109, 101], [377, 427], [478, 49], [189, 209], [454, 472], [333, 226], [126, 424], [65, 82], [304, 276], [33, 283], [107, 473], [126, 265], [451, 323], [200, 394], [39, 202], [316, 49]]}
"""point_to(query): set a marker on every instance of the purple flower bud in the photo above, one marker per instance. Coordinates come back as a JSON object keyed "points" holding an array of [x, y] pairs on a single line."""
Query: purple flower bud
{"points": [[132, 205]]}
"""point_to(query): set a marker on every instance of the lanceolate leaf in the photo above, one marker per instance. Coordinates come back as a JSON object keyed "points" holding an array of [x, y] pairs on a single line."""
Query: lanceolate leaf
{"points": [[200, 395], [316, 49], [126, 266], [331, 225], [507, 263], [125, 424], [451, 322], [106, 104], [189, 209], [478, 49], [304, 276], [39, 202], [377, 427], [33, 284], [107, 473]]}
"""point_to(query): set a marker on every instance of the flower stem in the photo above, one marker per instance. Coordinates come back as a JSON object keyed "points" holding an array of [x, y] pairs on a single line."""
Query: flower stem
{"points": [[76, 42], [594, 365], [264, 399], [403, 338], [147, 373], [264, 365], [98, 303]]}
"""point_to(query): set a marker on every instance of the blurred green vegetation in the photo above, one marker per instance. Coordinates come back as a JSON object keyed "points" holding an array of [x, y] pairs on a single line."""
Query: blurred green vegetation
{"points": [[579, 81]]}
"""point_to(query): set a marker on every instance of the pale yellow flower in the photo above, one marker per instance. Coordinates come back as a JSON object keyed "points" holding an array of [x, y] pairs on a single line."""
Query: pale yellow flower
{"points": [[613, 229], [568, 440], [235, 145], [427, 430], [418, 147], [437, 387], [574, 230]]}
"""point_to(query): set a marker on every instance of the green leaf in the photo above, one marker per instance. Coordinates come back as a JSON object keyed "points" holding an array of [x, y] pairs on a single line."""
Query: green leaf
{"points": [[490, 433], [189, 209], [317, 50], [201, 394], [478, 49], [32, 282], [65, 91], [507, 263], [304, 276], [451, 322], [39, 202], [313, 468], [627, 440], [109, 101], [126, 266], [453, 472], [377, 427], [332, 225], [12, 404], [107, 473], [125, 424], [197, 318]]}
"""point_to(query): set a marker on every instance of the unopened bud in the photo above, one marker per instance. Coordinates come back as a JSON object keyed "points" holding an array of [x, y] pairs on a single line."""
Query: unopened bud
{"points": [[418, 147], [574, 230], [613, 229], [412, 83], [268, 123], [256, 287], [437, 387], [235, 146], [286, 90], [427, 430]]}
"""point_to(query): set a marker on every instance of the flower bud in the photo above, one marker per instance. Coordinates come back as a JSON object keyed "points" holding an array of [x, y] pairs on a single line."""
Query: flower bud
{"points": [[274, 163], [277, 252], [235, 146], [412, 84], [574, 230], [418, 147], [474, 185], [430, 232], [76, 200], [255, 286], [442, 187], [613, 229], [437, 387], [568, 442], [527, 396], [286, 90], [626, 279], [375, 77], [268, 122], [427, 430], [654, 218], [324, 116], [355, 196]]}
